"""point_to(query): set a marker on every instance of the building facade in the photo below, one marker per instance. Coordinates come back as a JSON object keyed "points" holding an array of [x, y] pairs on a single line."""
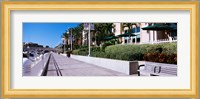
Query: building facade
{"points": [[145, 36], [157, 36], [141, 36]]}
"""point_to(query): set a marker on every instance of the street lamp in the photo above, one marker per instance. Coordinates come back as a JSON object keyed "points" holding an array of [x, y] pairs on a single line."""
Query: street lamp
{"points": [[89, 39], [71, 39], [89, 26], [64, 42]]}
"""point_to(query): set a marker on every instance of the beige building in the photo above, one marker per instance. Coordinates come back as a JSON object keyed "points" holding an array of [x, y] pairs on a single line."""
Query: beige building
{"points": [[156, 36], [119, 29], [144, 36], [141, 36]]}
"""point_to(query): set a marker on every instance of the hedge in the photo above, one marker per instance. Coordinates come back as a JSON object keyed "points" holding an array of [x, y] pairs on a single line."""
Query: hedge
{"points": [[84, 51], [164, 52]]}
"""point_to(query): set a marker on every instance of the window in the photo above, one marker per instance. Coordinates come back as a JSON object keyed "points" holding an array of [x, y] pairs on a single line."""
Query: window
{"points": [[138, 29]]}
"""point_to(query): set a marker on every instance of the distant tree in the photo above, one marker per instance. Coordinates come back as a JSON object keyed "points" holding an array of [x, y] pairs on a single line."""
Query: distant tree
{"points": [[101, 31], [47, 46], [77, 33], [65, 35]]}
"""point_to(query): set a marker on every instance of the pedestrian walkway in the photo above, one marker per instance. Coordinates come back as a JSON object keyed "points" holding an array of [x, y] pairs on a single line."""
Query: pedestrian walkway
{"points": [[72, 67]]}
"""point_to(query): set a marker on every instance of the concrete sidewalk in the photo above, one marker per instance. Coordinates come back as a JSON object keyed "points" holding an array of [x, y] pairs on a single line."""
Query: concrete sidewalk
{"points": [[72, 67]]}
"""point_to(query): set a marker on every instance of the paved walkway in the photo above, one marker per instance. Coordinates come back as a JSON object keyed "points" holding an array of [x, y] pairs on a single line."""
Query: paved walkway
{"points": [[72, 67]]}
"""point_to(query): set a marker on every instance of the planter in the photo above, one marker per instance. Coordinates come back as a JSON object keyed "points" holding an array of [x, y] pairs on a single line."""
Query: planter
{"points": [[126, 67]]}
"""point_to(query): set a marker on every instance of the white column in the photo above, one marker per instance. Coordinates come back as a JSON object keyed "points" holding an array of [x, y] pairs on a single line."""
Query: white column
{"points": [[131, 40], [135, 39], [123, 40], [151, 36], [155, 36]]}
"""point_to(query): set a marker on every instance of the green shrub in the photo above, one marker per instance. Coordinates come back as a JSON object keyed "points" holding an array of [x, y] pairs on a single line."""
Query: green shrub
{"points": [[95, 49], [84, 50], [99, 54], [80, 52], [126, 52], [164, 53], [107, 43], [170, 48], [76, 52]]}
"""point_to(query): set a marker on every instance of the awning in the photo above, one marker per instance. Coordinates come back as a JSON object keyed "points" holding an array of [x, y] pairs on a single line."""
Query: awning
{"points": [[126, 35], [161, 27], [110, 37]]}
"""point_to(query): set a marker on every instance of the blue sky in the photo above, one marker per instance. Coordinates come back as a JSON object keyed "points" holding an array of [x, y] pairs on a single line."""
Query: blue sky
{"points": [[45, 33]]}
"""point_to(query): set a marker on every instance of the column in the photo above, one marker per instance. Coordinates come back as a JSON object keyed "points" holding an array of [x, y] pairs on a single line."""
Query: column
{"points": [[151, 37], [135, 39], [155, 36]]}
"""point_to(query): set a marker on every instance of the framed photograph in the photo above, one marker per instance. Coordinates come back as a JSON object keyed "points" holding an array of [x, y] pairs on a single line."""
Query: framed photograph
{"points": [[100, 49]]}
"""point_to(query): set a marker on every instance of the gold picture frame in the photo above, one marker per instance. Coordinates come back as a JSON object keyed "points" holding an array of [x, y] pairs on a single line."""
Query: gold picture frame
{"points": [[8, 92]]}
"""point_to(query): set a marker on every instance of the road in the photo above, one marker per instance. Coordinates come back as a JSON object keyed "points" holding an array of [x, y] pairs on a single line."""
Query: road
{"points": [[60, 65]]}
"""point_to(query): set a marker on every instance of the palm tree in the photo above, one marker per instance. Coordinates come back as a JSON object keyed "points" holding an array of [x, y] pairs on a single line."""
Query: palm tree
{"points": [[101, 31], [65, 35], [77, 33]]}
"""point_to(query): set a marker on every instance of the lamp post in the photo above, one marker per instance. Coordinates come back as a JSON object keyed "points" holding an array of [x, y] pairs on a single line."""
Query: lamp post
{"points": [[89, 26], [89, 39], [64, 42], [71, 40]]}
